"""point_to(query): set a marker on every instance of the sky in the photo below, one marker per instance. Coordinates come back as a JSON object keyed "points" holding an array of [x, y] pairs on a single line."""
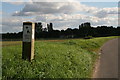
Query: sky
{"points": [[63, 15]]}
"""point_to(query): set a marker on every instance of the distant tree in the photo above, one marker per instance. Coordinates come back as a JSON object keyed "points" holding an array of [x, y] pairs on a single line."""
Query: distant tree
{"points": [[44, 29], [84, 31], [76, 32], [38, 27], [50, 27], [68, 31]]}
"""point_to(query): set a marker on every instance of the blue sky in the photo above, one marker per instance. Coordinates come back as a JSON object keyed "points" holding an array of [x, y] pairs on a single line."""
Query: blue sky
{"points": [[10, 8], [68, 15]]}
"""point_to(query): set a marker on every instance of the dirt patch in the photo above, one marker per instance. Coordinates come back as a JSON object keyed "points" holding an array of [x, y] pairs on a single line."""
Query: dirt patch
{"points": [[10, 43]]}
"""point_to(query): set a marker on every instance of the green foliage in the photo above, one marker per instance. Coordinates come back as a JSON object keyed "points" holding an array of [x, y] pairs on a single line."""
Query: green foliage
{"points": [[67, 59]]}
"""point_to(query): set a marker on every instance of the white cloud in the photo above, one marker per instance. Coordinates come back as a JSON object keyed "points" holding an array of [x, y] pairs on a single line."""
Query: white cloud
{"points": [[104, 12], [1, 12], [37, 8], [62, 15], [101, 14], [64, 21], [13, 24], [63, 0]]}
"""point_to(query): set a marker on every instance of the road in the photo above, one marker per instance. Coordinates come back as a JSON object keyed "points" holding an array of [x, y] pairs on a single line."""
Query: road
{"points": [[107, 66]]}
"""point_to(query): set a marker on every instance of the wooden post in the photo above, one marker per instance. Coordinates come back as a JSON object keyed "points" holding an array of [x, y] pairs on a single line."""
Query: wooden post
{"points": [[28, 40]]}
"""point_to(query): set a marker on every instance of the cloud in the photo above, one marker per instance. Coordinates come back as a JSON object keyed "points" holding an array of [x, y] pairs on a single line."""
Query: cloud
{"points": [[13, 24], [62, 21], [62, 15], [37, 8], [101, 14], [1, 12], [63, 0], [104, 12]]}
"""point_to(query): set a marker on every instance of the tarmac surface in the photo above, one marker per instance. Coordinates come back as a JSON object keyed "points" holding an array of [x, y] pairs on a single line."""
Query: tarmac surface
{"points": [[107, 66]]}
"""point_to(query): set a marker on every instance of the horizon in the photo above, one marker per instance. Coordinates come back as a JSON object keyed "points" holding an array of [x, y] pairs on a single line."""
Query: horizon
{"points": [[64, 29]]}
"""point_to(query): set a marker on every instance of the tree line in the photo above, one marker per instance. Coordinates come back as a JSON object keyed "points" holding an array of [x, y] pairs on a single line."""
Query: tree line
{"points": [[84, 30]]}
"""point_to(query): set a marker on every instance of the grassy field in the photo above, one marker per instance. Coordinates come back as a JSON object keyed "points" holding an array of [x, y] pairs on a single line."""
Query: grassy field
{"points": [[72, 58]]}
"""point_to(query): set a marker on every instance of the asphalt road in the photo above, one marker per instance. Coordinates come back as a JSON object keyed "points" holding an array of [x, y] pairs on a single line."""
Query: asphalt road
{"points": [[107, 66]]}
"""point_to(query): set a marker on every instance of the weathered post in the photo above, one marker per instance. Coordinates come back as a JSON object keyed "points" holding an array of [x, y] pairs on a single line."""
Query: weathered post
{"points": [[28, 40]]}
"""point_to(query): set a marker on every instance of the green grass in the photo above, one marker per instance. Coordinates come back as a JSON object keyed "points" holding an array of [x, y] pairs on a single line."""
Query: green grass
{"points": [[73, 58]]}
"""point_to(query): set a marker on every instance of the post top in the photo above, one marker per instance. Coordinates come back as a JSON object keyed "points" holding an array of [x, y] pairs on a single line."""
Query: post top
{"points": [[27, 22]]}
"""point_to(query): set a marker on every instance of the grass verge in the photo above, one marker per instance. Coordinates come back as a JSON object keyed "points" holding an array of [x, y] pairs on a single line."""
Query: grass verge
{"points": [[65, 59]]}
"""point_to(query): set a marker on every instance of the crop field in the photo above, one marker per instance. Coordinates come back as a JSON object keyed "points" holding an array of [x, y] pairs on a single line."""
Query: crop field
{"points": [[72, 58]]}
